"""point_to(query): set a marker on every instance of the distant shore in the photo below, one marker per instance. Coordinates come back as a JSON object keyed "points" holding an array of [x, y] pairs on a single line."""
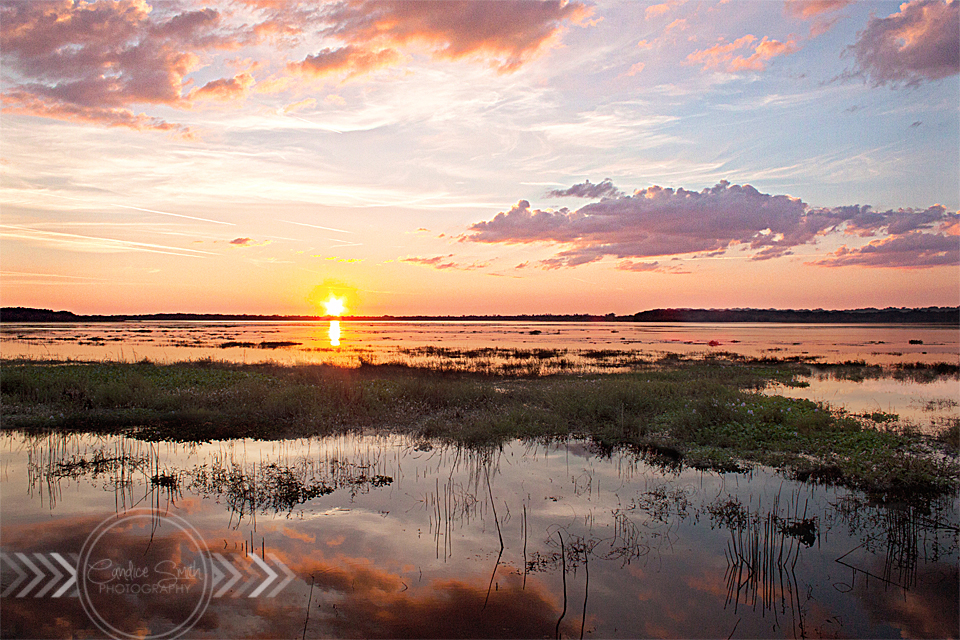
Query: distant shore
{"points": [[889, 315]]}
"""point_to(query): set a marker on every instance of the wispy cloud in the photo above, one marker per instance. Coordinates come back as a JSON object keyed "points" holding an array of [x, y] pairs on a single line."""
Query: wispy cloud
{"points": [[76, 242], [316, 226], [175, 215], [743, 54], [443, 263]]}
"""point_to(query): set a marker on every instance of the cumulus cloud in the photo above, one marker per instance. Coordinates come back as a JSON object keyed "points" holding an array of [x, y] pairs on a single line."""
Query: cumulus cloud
{"points": [[92, 61], [913, 250], [731, 57], [506, 33], [919, 43], [588, 190], [102, 62], [659, 221]]}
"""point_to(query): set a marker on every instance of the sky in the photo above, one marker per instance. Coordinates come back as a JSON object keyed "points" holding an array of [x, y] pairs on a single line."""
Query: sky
{"points": [[478, 157]]}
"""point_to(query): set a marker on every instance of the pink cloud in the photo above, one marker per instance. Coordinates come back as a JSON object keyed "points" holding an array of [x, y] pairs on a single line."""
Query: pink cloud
{"points": [[91, 62], [225, 88], [914, 250], [808, 9], [349, 60], [659, 221], [96, 62], [23, 103], [723, 56], [657, 10], [587, 189], [919, 43], [442, 263], [507, 32]]}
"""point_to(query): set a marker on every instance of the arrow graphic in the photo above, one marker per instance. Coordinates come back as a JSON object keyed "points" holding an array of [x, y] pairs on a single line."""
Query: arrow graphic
{"points": [[21, 575], [233, 571], [52, 569], [71, 571], [290, 575], [266, 569], [25, 560]]}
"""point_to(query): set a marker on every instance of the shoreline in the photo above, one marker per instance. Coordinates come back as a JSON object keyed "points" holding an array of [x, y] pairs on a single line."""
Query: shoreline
{"points": [[889, 315]]}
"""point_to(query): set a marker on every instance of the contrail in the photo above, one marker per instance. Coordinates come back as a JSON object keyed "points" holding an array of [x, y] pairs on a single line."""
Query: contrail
{"points": [[316, 226], [27, 233], [176, 215]]}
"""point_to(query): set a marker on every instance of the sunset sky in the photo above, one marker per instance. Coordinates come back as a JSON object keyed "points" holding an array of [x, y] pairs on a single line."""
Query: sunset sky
{"points": [[251, 156]]}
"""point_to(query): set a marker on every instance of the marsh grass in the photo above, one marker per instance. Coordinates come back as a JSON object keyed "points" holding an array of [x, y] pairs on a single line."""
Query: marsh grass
{"points": [[706, 413]]}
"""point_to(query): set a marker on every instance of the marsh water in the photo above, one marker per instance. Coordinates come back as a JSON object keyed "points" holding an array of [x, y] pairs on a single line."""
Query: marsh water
{"points": [[536, 348], [387, 536], [377, 535]]}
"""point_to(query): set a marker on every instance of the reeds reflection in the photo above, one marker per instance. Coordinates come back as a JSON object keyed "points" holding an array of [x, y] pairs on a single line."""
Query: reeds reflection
{"points": [[413, 538]]}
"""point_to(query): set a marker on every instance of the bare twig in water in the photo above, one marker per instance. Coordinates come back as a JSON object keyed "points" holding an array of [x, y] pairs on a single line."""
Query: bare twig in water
{"points": [[563, 560], [309, 602]]}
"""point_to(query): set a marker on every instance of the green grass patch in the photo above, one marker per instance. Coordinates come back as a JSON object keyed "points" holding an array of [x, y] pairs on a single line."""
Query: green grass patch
{"points": [[706, 414]]}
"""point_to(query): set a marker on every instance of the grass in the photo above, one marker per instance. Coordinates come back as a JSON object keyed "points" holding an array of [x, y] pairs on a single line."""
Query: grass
{"points": [[705, 413]]}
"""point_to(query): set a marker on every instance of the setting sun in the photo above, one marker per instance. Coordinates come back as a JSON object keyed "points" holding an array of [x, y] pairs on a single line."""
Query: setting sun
{"points": [[334, 306]]}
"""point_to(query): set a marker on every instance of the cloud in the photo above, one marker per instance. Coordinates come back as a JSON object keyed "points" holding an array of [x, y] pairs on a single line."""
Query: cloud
{"points": [[101, 62], [919, 43], [306, 103], [654, 267], [722, 56], [814, 10], [657, 10], [442, 263], [90, 62], [349, 60], [914, 250], [225, 88], [248, 242], [588, 190], [24, 103], [506, 33], [808, 9], [661, 221]]}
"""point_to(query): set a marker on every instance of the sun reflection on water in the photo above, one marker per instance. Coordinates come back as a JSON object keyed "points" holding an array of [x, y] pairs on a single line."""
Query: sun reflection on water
{"points": [[334, 332]]}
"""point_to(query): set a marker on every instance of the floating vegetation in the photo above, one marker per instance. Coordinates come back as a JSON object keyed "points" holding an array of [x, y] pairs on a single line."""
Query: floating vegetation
{"points": [[259, 345]]}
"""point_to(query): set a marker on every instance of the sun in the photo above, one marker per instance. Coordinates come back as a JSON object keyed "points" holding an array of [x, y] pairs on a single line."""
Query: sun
{"points": [[334, 306]]}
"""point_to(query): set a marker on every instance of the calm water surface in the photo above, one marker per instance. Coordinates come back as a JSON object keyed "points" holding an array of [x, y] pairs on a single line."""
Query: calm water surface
{"points": [[386, 536], [346, 342]]}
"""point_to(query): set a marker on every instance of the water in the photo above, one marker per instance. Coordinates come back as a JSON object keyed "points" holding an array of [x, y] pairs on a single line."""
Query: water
{"points": [[345, 342], [388, 536]]}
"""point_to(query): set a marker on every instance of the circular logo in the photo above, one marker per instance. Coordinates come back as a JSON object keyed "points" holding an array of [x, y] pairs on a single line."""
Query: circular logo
{"points": [[143, 574]]}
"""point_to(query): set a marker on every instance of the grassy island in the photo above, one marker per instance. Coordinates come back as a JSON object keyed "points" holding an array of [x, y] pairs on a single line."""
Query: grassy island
{"points": [[706, 413]]}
